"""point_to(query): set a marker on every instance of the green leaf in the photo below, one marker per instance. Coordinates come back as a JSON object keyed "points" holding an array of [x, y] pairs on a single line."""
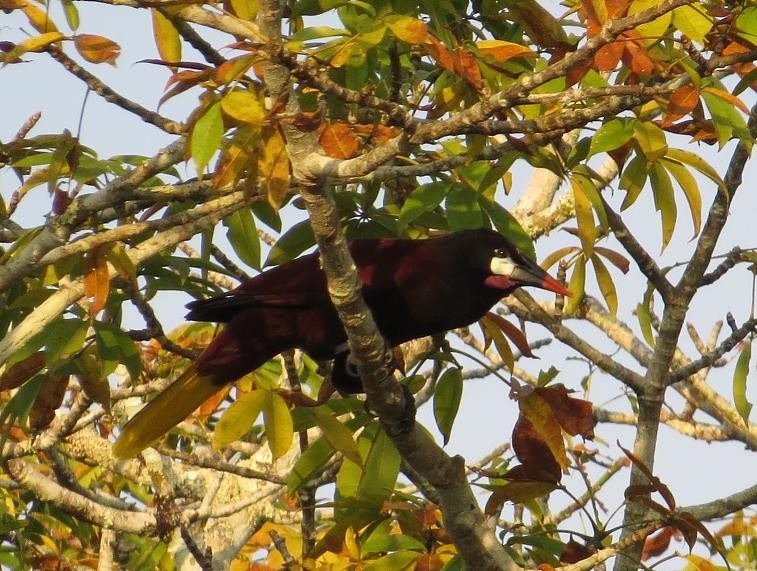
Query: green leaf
{"points": [[238, 418], [243, 236], [650, 140], [576, 286], [295, 241], [463, 210], [606, 284], [698, 163], [587, 231], [447, 397], [338, 435], [115, 348], [423, 199], [645, 323], [393, 561], [310, 464], [63, 338], [743, 406], [506, 224], [72, 14], [384, 542], [690, 189], [382, 464], [726, 119], [612, 135], [207, 133], [633, 179], [278, 424], [664, 201]]}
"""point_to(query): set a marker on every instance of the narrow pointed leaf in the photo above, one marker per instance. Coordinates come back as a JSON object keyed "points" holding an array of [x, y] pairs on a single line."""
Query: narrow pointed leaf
{"points": [[633, 179], [243, 237], [606, 284], [587, 231], [740, 375], [690, 189], [664, 200]]}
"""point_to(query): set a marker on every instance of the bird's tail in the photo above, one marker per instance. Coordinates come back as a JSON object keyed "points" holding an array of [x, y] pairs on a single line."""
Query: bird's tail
{"points": [[165, 411]]}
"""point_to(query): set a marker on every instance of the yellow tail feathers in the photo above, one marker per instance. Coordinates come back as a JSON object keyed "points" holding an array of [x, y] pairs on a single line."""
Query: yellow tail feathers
{"points": [[164, 412]]}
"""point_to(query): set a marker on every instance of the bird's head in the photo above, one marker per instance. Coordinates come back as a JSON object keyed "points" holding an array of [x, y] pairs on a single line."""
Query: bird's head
{"points": [[505, 267]]}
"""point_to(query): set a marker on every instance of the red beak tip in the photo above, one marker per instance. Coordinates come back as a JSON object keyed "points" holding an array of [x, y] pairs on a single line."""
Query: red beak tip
{"points": [[551, 284]]}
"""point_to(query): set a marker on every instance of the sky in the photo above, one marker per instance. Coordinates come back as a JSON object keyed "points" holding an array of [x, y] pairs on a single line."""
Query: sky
{"points": [[696, 471]]}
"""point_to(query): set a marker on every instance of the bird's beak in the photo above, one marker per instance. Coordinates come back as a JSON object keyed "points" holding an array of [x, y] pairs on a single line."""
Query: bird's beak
{"points": [[527, 273], [530, 274]]}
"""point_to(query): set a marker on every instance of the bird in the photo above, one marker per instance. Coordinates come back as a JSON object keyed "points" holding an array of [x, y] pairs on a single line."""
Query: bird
{"points": [[414, 288]]}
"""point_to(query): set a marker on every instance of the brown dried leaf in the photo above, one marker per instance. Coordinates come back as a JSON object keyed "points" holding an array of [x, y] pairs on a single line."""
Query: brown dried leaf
{"points": [[608, 56], [18, 373], [657, 544], [534, 453], [466, 66], [661, 488], [48, 400]]}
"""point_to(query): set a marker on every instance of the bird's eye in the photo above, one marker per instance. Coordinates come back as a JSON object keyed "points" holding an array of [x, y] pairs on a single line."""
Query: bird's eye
{"points": [[501, 253]]}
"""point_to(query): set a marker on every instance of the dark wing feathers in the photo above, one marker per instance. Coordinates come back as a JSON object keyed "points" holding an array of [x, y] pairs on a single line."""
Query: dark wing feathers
{"points": [[301, 283]]}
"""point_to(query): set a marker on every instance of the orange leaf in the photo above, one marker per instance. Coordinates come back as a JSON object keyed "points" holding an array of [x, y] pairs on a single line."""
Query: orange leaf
{"points": [[209, 406], [96, 280], [338, 141], [466, 66], [637, 59], [440, 53], [608, 56], [97, 49], [682, 102]]}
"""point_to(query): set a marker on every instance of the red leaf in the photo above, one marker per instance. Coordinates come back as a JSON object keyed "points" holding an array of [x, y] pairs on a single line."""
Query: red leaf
{"points": [[574, 415], [573, 552], [657, 544], [515, 335]]}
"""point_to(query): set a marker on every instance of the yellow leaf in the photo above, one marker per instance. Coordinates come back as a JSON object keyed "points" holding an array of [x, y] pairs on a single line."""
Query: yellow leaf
{"points": [[245, 9], [279, 427], [587, 231], [540, 414], [245, 106], [700, 563], [651, 31], [38, 18], [273, 167], [606, 285], [693, 21], [37, 43], [500, 342], [502, 50], [239, 418], [407, 29], [167, 37]]}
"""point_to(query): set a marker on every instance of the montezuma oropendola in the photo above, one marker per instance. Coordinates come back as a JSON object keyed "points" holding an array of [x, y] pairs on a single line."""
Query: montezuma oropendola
{"points": [[414, 288]]}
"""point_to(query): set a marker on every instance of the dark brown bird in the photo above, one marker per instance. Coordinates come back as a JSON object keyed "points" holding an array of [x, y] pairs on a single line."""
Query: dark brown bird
{"points": [[414, 288]]}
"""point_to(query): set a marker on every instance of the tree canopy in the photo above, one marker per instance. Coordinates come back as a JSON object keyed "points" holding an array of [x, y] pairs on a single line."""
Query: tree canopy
{"points": [[601, 131]]}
